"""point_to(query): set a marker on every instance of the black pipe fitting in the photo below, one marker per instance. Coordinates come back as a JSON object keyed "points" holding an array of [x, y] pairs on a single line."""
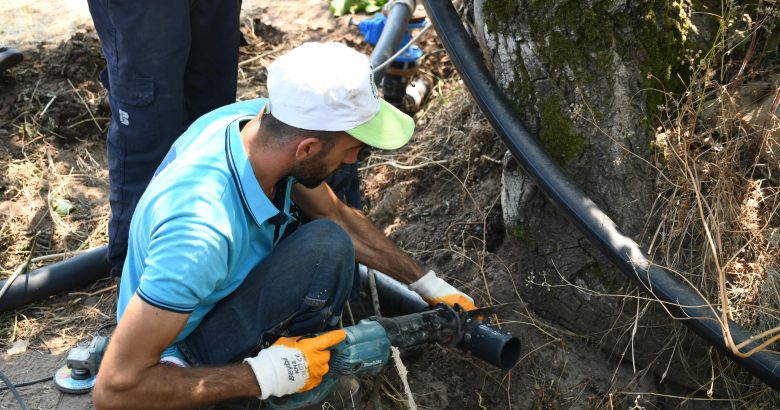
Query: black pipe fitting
{"points": [[491, 344], [453, 327]]}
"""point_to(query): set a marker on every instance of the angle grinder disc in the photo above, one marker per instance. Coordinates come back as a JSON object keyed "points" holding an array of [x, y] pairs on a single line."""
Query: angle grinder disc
{"points": [[64, 382]]}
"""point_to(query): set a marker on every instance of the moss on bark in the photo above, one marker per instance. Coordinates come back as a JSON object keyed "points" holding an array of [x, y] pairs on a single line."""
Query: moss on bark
{"points": [[577, 41], [556, 132]]}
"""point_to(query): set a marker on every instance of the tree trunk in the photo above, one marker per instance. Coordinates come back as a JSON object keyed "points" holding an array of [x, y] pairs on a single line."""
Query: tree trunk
{"points": [[581, 75]]}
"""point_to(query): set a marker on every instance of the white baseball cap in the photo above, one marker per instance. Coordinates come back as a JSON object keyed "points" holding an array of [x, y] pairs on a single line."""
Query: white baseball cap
{"points": [[330, 87]]}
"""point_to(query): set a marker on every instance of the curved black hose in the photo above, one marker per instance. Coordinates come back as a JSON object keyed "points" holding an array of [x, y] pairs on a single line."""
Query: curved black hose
{"points": [[680, 299], [80, 270], [30, 383], [14, 391]]}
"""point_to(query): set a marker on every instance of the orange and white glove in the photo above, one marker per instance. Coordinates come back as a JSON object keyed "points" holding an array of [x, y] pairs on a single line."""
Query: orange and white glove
{"points": [[293, 364], [435, 290]]}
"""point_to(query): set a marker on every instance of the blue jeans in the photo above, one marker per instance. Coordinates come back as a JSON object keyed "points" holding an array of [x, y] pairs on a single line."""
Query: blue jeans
{"points": [[299, 288], [167, 63]]}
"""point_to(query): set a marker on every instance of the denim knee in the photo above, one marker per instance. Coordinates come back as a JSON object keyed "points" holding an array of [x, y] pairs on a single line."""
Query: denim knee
{"points": [[331, 247], [329, 238]]}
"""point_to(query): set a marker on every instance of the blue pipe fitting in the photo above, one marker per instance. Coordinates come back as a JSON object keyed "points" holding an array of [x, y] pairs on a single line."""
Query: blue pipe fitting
{"points": [[373, 27]]}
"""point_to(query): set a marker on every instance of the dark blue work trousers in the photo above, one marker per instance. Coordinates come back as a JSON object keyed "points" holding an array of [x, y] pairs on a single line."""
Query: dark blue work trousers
{"points": [[168, 62], [300, 288]]}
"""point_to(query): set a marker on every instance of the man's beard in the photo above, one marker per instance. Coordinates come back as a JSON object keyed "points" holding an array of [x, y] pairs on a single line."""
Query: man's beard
{"points": [[313, 171]]}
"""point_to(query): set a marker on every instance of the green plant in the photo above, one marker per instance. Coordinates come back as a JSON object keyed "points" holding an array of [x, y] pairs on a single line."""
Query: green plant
{"points": [[342, 7]]}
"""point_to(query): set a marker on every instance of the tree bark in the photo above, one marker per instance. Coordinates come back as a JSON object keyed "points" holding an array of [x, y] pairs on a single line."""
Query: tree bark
{"points": [[581, 75]]}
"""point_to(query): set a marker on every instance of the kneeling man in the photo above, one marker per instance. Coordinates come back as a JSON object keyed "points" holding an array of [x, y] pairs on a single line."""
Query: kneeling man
{"points": [[219, 278]]}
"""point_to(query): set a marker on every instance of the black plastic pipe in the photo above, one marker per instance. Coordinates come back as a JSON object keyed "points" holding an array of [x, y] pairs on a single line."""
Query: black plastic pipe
{"points": [[393, 294], [680, 299], [80, 270], [392, 34]]}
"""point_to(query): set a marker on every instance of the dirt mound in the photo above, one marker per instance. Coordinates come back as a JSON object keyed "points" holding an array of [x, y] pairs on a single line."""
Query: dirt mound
{"points": [[78, 59], [58, 94]]}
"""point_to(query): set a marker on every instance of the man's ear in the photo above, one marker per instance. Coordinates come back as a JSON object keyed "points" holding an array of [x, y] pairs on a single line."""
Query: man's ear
{"points": [[307, 147]]}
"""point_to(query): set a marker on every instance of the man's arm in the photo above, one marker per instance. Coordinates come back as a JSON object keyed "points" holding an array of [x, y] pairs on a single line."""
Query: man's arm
{"points": [[372, 247], [131, 375]]}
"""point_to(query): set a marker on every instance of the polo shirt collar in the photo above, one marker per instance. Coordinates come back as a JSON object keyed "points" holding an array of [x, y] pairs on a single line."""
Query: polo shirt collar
{"points": [[255, 201]]}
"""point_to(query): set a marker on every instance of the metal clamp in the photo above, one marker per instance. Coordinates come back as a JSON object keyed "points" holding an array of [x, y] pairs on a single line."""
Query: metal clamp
{"points": [[411, 4]]}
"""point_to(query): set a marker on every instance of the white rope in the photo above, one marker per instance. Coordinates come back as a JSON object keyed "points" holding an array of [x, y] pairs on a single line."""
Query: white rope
{"points": [[402, 373]]}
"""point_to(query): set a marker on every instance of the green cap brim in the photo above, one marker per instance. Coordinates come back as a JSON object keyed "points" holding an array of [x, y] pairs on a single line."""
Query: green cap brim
{"points": [[388, 129]]}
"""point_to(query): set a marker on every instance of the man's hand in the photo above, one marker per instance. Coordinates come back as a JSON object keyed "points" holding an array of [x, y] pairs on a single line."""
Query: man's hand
{"points": [[435, 290], [293, 364]]}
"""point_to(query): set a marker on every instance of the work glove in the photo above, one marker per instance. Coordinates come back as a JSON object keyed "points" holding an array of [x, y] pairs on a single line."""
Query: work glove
{"points": [[293, 364], [435, 290]]}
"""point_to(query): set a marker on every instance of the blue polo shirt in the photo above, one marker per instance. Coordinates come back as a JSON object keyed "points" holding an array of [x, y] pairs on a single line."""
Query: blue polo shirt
{"points": [[203, 222]]}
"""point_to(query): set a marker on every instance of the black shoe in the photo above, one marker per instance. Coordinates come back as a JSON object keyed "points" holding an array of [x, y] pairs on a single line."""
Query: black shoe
{"points": [[9, 58]]}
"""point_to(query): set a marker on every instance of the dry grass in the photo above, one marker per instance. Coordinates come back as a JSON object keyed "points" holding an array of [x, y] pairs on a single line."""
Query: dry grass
{"points": [[717, 209], [54, 195]]}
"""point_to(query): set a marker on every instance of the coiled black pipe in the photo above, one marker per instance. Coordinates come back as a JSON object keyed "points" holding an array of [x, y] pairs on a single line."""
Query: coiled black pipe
{"points": [[80, 270], [680, 299]]}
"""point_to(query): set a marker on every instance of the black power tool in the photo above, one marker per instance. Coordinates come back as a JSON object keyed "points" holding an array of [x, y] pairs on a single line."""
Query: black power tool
{"points": [[366, 349]]}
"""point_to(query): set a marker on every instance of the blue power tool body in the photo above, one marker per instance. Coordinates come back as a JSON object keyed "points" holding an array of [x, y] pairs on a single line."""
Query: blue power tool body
{"points": [[366, 349]]}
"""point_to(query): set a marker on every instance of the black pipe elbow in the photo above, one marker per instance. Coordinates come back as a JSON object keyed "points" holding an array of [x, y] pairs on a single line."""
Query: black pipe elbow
{"points": [[491, 344]]}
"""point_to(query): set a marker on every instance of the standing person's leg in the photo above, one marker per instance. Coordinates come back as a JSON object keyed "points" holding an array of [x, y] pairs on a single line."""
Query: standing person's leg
{"points": [[146, 46], [300, 288], [211, 76], [345, 182]]}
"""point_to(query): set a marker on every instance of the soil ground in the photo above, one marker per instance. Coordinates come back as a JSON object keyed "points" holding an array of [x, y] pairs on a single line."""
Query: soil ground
{"points": [[438, 198]]}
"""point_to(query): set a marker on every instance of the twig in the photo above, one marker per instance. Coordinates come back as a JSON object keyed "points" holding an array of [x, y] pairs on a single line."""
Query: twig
{"points": [[351, 316], [395, 164], [43, 111], [21, 269], [77, 123], [85, 106], [55, 256], [257, 57], [374, 293], [97, 292]]}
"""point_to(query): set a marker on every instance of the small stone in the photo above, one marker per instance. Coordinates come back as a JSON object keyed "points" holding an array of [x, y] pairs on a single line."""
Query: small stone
{"points": [[62, 207], [19, 346]]}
